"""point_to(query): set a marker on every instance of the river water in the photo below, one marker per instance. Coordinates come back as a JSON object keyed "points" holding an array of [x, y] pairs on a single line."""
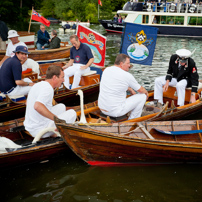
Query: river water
{"points": [[68, 178]]}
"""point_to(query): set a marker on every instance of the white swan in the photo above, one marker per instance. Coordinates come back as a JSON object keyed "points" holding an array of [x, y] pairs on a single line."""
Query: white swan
{"points": [[82, 118], [43, 132], [7, 143]]}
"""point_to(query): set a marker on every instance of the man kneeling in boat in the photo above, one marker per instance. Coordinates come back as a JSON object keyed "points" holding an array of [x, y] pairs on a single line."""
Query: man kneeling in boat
{"points": [[40, 111], [115, 83], [80, 61], [182, 73], [11, 82]]}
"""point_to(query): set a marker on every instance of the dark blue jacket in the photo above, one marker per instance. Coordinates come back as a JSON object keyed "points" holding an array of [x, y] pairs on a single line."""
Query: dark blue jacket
{"points": [[3, 31], [42, 38]]}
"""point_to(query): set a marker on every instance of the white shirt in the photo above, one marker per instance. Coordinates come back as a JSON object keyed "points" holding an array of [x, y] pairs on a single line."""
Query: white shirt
{"points": [[11, 48], [41, 92], [113, 88]]}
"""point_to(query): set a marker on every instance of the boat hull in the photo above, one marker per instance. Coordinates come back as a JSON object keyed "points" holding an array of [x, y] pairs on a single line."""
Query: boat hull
{"points": [[98, 147], [188, 31]]}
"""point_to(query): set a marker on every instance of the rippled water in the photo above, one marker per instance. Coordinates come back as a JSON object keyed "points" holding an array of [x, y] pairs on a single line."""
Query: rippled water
{"points": [[68, 178]]}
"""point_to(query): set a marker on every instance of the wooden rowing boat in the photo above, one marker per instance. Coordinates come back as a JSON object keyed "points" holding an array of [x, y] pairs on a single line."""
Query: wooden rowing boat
{"points": [[50, 55], [10, 109], [134, 143], [152, 113], [30, 152]]}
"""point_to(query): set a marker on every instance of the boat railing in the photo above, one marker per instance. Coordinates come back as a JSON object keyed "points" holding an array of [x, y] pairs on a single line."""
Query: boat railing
{"points": [[164, 7]]}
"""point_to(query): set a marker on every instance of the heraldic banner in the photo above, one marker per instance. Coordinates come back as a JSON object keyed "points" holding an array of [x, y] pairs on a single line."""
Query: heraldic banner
{"points": [[95, 41], [138, 42]]}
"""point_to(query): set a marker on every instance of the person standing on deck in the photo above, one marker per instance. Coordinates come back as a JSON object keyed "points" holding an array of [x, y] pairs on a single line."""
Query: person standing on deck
{"points": [[115, 82], [11, 82], [43, 38], [80, 61], [40, 111], [182, 73]]}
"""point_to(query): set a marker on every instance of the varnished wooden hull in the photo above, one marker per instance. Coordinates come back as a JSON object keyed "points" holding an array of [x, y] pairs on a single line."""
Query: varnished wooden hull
{"points": [[39, 152], [47, 55], [103, 145], [69, 98]]}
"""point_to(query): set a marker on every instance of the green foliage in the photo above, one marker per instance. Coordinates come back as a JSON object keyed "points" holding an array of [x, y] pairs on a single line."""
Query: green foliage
{"points": [[91, 16]]}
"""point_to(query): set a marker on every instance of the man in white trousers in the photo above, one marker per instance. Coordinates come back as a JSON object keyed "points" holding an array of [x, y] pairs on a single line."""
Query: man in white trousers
{"points": [[116, 81], [80, 61], [11, 82], [40, 111], [182, 73]]}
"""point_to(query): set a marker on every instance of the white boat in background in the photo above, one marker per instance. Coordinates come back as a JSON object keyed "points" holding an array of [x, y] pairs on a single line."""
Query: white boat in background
{"points": [[87, 24], [172, 19]]}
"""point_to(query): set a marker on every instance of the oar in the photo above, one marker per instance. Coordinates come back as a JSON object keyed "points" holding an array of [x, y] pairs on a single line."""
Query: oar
{"points": [[182, 132]]}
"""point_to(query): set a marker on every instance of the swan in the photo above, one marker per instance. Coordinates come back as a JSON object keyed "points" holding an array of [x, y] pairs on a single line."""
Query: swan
{"points": [[7, 143], [82, 118]]}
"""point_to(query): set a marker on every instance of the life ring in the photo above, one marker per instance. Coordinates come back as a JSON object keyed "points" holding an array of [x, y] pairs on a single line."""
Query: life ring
{"points": [[172, 7], [28, 70], [192, 8]]}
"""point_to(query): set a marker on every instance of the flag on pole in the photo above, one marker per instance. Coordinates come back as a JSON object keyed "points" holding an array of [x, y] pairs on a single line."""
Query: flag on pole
{"points": [[99, 2], [139, 43], [95, 41], [37, 17]]}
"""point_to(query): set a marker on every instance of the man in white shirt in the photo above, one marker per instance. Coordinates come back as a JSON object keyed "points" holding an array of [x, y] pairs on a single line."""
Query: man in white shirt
{"points": [[115, 83], [40, 111]]}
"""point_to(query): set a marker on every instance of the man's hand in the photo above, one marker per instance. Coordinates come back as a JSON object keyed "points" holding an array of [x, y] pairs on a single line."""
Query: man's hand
{"points": [[83, 67], [132, 92], [165, 87], [192, 98]]}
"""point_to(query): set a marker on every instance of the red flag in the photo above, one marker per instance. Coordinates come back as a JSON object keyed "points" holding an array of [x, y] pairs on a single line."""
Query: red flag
{"points": [[95, 41], [37, 17], [99, 2]]}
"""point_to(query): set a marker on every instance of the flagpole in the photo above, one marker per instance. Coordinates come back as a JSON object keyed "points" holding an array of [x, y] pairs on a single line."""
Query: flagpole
{"points": [[30, 20], [98, 11]]}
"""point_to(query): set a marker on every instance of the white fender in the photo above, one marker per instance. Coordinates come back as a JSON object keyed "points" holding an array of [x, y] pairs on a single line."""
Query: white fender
{"points": [[7, 143], [43, 132], [82, 118]]}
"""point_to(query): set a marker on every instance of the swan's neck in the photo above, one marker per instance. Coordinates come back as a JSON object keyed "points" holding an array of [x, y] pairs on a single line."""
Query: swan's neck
{"points": [[83, 118]]}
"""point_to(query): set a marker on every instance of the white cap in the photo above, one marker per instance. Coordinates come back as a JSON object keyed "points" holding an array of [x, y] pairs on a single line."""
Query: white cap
{"points": [[183, 53], [12, 33]]}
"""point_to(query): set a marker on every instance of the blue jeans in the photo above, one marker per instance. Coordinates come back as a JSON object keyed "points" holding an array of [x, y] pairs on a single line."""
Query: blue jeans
{"points": [[39, 46]]}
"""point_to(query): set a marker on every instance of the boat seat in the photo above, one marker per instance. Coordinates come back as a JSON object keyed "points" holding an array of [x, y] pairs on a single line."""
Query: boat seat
{"points": [[119, 118], [14, 98], [89, 73]]}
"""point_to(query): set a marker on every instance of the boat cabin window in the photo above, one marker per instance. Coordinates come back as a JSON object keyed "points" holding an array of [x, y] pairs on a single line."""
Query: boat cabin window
{"points": [[171, 20], [142, 19], [194, 21]]}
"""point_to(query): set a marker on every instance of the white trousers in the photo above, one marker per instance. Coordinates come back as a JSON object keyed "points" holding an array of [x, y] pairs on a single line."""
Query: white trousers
{"points": [[75, 71], [180, 87], [60, 111], [21, 90], [134, 104]]}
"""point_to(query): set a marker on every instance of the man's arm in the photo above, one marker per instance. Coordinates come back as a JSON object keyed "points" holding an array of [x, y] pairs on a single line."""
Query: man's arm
{"points": [[43, 110], [90, 62], [4, 58], [143, 91], [23, 83], [70, 63]]}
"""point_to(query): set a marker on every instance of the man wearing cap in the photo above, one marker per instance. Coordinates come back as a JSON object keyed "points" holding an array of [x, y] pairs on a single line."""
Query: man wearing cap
{"points": [[11, 82], [182, 73], [13, 36]]}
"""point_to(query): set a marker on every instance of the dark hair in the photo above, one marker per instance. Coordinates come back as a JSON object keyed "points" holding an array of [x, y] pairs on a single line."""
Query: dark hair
{"points": [[121, 58], [53, 70], [74, 37]]}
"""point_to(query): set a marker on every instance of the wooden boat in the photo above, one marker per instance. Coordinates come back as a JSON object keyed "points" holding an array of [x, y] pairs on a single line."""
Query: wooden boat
{"points": [[172, 19], [134, 143], [153, 113], [12, 109], [29, 152], [50, 55]]}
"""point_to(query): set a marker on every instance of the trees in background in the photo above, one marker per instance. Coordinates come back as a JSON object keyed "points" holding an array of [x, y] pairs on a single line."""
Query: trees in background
{"points": [[82, 10]]}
